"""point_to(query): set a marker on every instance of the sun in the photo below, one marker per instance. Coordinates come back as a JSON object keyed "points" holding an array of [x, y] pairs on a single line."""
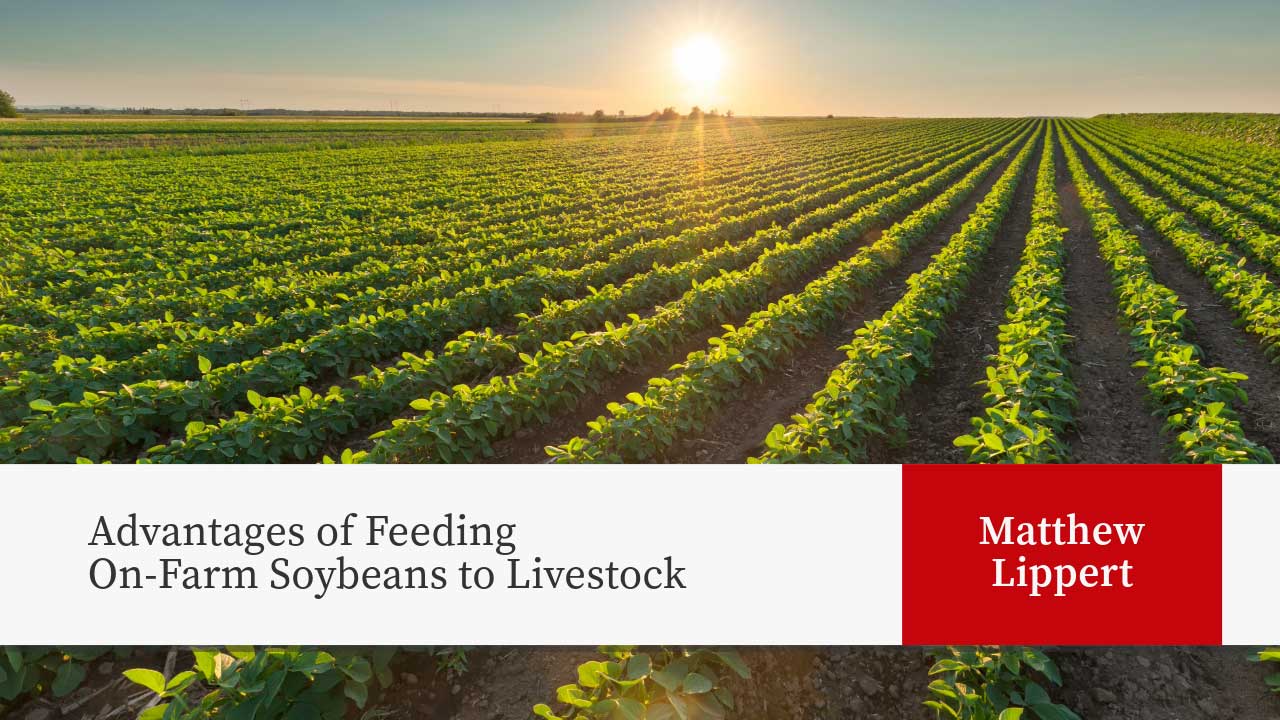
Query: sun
{"points": [[699, 60]]}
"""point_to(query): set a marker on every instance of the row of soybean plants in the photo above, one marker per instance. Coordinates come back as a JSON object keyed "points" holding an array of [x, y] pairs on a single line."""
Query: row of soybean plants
{"points": [[270, 683], [463, 424], [1271, 655], [274, 683], [970, 683], [105, 421], [299, 425], [1030, 399]]}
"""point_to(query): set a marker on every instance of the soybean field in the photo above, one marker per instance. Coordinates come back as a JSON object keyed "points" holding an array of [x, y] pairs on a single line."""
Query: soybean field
{"points": [[714, 290]]}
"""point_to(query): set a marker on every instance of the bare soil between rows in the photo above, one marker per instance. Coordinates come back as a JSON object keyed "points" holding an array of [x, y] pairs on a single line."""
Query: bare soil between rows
{"points": [[1113, 420], [939, 404]]}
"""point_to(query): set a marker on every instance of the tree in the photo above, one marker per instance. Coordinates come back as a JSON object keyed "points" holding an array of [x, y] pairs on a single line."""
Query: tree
{"points": [[669, 113], [728, 114], [598, 115], [7, 106], [695, 113], [621, 115]]}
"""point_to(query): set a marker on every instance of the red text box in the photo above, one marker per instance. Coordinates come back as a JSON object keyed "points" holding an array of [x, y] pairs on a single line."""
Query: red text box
{"points": [[1075, 555]]}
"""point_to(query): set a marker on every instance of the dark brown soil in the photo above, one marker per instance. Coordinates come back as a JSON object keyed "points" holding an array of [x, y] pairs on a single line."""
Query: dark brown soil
{"points": [[498, 683], [1113, 423], [1212, 325], [1172, 683], [869, 683], [529, 445], [939, 404], [740, 426]]}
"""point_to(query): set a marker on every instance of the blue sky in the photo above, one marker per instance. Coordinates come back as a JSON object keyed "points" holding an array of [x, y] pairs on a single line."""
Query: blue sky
{"points": [[798, 57]]}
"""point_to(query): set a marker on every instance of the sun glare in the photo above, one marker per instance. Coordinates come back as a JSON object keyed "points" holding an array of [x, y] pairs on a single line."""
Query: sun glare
{"points": [[699, 61]]}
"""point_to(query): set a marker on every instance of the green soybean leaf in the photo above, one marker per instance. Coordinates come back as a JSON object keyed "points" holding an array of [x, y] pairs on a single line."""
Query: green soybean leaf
{"points": [[156, 712], [149, 679], [695, 683], [589, 673], [1036, 695], [639, 666], [542, 711], [41, 405], [629, 709], [357, 691], [672, 675], [68, 678], [735, 662]]}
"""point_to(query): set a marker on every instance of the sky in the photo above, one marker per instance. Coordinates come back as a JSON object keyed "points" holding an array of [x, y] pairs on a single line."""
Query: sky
{"points": [[797, 57]]}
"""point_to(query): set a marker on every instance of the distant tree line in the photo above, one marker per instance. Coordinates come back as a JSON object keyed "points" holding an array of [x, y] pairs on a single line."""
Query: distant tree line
{"points": [[668, 113], [274, 112], [7, 106]]}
